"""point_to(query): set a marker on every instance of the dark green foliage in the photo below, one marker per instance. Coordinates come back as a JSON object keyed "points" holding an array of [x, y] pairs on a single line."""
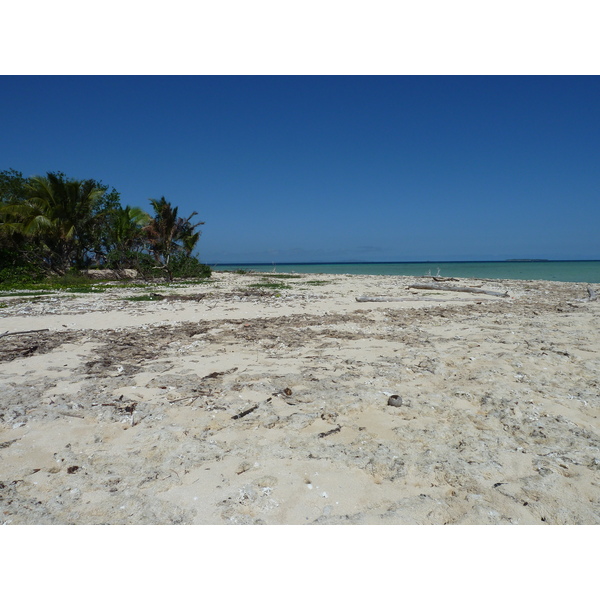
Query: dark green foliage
{"points": [[142, 262], [53, 224], [19, 294], [123, 238], [186, 267], [169, 235], [16, 270], [72, 279], [12, 186], [82, 289]]}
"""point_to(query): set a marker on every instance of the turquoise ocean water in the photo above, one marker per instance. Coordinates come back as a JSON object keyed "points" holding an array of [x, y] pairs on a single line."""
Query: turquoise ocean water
{"points": [[577, 270]]}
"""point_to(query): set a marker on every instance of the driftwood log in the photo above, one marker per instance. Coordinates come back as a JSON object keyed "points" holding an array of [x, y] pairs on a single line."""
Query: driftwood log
{"points": [[455, 288], [410, 299]]}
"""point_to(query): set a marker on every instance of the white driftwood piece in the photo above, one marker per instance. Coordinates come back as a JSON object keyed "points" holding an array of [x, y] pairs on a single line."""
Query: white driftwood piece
{"points": [[592, 293], [410, 299], [455, 288]]}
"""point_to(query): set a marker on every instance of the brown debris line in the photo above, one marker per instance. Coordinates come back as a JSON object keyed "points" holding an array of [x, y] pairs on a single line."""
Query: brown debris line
{"points": [[42, 343], [179, 297], [8, 333], [133, 346]]}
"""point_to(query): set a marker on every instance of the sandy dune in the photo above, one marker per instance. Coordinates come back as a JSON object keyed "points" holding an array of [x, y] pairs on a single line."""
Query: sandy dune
{"points": [[223, 403]]}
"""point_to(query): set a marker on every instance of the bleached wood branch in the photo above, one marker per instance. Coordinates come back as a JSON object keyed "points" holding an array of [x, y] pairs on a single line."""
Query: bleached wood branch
{"points": [[455, 288], [409, 299]]}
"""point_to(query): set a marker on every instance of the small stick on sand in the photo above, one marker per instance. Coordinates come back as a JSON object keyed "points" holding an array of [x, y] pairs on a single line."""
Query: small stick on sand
{"points": [[326, 433], [245, 412], [184, 398]]}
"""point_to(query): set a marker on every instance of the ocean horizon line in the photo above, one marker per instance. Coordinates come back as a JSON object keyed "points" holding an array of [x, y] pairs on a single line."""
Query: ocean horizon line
{"points": [[587, 270], [401, 262]]}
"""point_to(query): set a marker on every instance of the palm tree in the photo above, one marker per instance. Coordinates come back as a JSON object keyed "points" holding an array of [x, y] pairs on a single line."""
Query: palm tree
{"points": [[168, 233], [127, 227], [122, 236], [189, 242], [59, 213]]}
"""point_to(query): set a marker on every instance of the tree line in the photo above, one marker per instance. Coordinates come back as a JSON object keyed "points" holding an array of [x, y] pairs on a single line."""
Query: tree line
{"points": [[51, 225]]}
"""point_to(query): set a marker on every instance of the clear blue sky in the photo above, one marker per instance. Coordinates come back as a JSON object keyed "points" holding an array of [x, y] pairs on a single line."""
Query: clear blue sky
{"points": [[306, 169]]}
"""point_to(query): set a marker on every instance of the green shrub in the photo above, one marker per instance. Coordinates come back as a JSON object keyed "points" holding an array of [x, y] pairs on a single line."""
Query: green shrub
{"points": [[187, 267], [20, 294], [82, 289], [19, 276], [143, 263]]}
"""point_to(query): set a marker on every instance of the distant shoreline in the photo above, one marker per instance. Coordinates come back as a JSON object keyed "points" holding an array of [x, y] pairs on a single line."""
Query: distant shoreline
{"points": [[524, 269], [405, 262]]}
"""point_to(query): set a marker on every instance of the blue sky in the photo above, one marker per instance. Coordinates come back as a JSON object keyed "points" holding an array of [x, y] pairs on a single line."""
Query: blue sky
{"points": [[331, 168]]}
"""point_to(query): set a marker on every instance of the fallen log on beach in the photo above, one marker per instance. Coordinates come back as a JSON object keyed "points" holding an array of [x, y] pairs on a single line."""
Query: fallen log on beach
{"points": [[410, 299], [455, 288]]}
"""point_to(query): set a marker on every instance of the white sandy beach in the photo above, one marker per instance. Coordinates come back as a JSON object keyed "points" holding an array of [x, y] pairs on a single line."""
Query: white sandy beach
{"points": [[228, 404]]}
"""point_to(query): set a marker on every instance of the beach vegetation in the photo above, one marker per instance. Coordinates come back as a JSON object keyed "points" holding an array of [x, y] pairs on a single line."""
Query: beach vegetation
{"points": [[86, 290], [121, 241], [130, 285], [171, 238], [54, 221], [183, 266], [271, 286], [70, 280], [315, 282], [283, 276], [53, 227], [24, 293]]}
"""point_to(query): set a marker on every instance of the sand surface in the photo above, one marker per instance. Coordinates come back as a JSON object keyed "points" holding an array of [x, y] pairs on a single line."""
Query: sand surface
{"points": [[223, 403]]}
